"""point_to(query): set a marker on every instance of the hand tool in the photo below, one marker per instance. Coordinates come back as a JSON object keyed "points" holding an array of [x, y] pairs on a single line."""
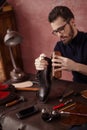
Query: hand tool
{"points": [[66, 95], [74, 113], [66, 107], [62, 104], [21, 98]]}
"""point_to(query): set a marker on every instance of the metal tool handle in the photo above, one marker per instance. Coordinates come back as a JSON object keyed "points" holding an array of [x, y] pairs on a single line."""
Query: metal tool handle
{"points": [[12, 103], [27, 89]]}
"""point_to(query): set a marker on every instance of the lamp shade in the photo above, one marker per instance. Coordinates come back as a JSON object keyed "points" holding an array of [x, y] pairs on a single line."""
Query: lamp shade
{"points": [[12, 38]]}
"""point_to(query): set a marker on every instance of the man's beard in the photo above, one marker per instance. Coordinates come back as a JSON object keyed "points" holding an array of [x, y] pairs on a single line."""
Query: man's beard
{"points": [[70, 35]]}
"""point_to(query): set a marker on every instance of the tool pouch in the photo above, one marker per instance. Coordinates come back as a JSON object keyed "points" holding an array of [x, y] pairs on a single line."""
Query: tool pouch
{"points": [[7, 93]]}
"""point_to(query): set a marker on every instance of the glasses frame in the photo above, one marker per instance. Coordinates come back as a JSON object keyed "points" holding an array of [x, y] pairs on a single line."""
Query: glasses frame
{"points": [[60, 29]]}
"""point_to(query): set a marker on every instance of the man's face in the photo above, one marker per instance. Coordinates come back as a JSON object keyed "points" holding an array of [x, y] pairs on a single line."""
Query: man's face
{"points": [[63, 29]]}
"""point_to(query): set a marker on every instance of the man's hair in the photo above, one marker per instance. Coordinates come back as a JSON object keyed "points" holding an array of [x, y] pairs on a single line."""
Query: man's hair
{"points": [[60, 11]]}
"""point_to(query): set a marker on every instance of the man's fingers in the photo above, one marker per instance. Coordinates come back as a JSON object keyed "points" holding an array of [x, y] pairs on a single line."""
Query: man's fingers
{"points": [[60, 69], [56, 64], [39, 67], [61, 57], [57, 60], [40, 63]]}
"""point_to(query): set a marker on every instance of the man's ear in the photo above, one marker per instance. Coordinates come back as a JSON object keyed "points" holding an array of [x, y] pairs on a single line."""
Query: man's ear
{"points": [[72, 21]]}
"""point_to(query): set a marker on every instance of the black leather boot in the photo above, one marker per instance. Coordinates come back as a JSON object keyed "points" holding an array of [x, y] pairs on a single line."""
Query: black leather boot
{"points": [[44, 77]]}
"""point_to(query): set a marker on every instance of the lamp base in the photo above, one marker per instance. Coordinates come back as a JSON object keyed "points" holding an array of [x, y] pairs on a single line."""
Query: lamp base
{"points": [[18, 76]]}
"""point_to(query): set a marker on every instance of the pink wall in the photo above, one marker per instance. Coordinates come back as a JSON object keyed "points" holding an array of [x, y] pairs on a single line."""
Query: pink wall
{"points": [[31, 16]]}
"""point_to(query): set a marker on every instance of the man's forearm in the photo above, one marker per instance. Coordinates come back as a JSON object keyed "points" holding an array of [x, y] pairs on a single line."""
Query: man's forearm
{"points": [[81, 68]]}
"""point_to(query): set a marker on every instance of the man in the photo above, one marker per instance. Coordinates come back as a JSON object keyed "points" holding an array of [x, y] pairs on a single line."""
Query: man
{"points": [[72, 45]]}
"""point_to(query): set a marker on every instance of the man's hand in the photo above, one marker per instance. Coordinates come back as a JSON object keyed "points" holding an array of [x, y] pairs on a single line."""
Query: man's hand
{"points": [[40, 62], [63, 63]]}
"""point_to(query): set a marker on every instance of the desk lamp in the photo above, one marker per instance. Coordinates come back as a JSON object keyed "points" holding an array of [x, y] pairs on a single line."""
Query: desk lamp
{"points": [[12, 38]]}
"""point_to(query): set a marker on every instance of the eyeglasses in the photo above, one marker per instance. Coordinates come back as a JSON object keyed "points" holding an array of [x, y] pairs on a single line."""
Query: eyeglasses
{"points": [[62, 28]]}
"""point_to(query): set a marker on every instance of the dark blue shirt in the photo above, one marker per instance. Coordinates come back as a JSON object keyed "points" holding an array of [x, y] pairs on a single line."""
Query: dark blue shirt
{"points": [[77, 51]]}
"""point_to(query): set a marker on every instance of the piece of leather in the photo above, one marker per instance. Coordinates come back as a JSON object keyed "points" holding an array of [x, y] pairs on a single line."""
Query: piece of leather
{"points": [[7, 93], [56, 74]]}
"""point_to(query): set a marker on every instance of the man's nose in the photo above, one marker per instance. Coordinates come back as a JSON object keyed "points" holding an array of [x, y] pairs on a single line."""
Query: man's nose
{"points": [[59, 34]]}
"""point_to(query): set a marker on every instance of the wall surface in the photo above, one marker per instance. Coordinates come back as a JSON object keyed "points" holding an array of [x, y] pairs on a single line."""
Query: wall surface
{"points": [[32, 21]]}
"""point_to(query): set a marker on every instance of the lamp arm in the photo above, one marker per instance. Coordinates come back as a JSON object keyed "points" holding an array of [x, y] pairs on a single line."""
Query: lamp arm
{"points": [[12, 58]]}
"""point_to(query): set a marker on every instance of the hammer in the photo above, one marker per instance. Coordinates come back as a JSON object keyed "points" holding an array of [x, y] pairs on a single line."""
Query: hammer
{"points": [[21, 98]]}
